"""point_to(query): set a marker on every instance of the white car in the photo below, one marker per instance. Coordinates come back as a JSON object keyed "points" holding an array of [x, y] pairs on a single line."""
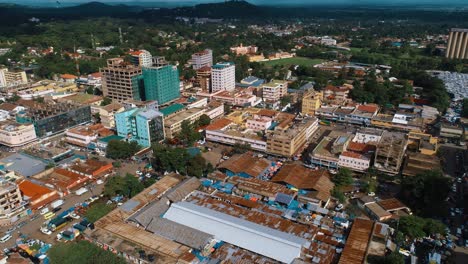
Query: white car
{"points": [[44, 211], [46, 231], [339, 207], [371, 194]]}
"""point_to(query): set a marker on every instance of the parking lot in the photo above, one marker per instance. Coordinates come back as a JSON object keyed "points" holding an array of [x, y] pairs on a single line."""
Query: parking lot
{"points": [[31, 228]]}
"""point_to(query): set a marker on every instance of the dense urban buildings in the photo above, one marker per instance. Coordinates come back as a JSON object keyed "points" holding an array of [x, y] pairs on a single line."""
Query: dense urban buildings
{"points": [[141, 58]]}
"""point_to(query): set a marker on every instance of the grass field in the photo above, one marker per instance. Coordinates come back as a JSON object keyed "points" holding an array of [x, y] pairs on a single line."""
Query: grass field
{"points": [[302, 61]]}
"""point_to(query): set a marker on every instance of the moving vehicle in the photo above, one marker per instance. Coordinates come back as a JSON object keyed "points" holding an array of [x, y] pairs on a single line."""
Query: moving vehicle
{"points": [[46, 231], [49, 215], [5, 238], [44, 211], [57, 203]]}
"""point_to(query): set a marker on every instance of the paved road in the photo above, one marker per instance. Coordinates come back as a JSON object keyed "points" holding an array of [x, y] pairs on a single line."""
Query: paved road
{"points": [[31, 229]]}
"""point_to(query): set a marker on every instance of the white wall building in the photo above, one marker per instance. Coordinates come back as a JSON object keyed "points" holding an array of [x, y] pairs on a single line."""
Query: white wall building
{"points": [[327, 41], [202, 59], [273, 91], [354, 161], [223, 76], [14, 134]]}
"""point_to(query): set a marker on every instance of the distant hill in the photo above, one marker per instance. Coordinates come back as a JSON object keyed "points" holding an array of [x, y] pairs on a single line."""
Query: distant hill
{"points": [[230, 9]]}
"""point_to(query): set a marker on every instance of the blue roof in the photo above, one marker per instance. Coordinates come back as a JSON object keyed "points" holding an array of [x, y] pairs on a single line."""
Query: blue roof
{"points": [[24, 164], [171, 109], [221, 65]]}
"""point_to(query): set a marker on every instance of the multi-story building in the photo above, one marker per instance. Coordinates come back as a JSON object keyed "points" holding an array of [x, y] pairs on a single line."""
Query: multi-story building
{"points": [[11, 78], [141, 58], [11, 201], [289, 140], [49, 119], [107, 114], [274, 90], [161, 83], [204, 78], [85, 135], [354, 161], [390, 152], [243, 50], [173, 123], [311, 101], [144, 126], [121, 81], [457, 47], [14, 134], [202, 59], [223, 77]]}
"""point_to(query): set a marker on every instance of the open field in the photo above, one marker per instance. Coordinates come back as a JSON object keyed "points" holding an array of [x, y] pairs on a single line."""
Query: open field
{"points": [[302, 61]]}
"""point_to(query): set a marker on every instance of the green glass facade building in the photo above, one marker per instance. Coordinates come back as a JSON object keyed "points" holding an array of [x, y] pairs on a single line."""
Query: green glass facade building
{"points": [[161, 83]]}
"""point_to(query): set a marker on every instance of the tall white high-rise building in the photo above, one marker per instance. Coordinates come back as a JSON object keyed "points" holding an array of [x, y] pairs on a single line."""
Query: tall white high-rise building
{"points": [[3, 82], [223, 77], [202, 59]]}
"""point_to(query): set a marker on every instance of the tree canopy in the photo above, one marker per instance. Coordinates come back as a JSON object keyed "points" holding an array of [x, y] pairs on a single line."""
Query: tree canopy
{"points": [[171, 159], [127, 186], [426, 192], [418, 227], [82, 252], [343, 177], [117, 149]]}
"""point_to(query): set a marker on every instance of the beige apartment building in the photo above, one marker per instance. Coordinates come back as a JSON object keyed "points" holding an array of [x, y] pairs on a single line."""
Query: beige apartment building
{"points": [[11, 201], [273, 91], [172, 124], [311, 102], [13, 134], [290, 139], [120, 80]]}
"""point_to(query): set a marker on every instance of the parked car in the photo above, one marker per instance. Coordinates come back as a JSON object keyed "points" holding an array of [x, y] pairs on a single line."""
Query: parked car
{"points": [[371, 194], [56, 209], [339, 207], [20, 225]]}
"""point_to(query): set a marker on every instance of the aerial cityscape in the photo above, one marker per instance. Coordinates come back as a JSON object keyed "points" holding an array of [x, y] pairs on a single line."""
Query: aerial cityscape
{"points": [[225, 132]]}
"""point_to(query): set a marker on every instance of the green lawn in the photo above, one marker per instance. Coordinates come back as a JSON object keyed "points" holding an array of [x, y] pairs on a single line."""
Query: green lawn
{"points": [[302, 61], [98, 210]]}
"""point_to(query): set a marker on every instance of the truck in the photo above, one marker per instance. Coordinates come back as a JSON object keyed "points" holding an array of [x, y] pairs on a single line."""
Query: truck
{"points": [[57, 223], [68, 235], [57, 203], [81, 191], [79, 227]]}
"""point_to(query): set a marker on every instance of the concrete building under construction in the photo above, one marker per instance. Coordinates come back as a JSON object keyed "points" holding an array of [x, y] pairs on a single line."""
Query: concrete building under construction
{"points": [[121, 80], [52, 118], [390, 152], [457, 47]]}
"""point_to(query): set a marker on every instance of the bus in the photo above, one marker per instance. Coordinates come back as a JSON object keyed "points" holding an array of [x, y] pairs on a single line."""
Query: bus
{"points": [[49, 215]]}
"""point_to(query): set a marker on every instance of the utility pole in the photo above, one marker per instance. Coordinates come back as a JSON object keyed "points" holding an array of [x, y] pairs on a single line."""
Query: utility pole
{"points": [[120, 35]]}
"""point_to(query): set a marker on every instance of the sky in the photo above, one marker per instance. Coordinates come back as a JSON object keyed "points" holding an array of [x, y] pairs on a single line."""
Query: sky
{"points": [[268, 2]]}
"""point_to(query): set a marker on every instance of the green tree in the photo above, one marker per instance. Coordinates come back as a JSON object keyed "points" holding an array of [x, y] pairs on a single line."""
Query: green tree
{"points": [[286, 100], [344, 177], [427, 192], [239, 148], [81, 252], [464, 112], [117, 149], [204, 120], [412, 226], [392, 258], [106, 101], [127, 186], [188, 135], [90, 90]]}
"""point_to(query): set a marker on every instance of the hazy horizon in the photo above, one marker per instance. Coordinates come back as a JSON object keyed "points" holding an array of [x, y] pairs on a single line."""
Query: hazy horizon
{"points": [[260, 2]]}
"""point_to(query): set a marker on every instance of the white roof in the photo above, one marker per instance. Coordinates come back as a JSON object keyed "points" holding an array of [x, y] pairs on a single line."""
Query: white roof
{"points": [[260, 239]]}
